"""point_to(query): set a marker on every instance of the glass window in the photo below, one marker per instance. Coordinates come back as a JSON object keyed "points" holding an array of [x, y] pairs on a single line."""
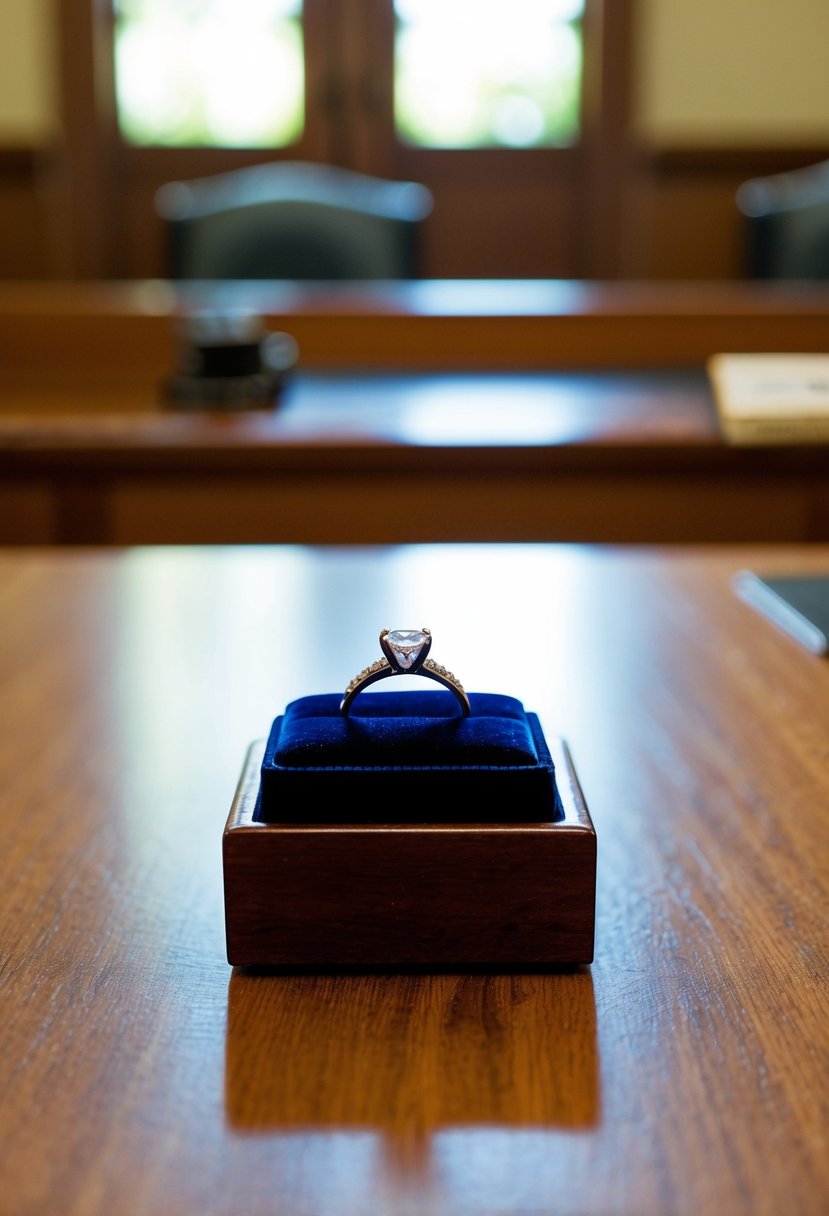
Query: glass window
{"points": [[209, 72], [488, 73]]}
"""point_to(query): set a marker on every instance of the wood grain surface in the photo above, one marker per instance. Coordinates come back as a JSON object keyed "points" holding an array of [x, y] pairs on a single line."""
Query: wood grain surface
{"points": [[685, 1072]]}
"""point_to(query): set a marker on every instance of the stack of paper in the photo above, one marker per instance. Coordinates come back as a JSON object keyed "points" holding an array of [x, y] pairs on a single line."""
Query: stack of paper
{"points": [[771, 398]]}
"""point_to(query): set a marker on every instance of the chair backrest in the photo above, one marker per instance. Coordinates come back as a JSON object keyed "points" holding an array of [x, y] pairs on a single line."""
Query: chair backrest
{"points": [[293, 220], [786, 224]]}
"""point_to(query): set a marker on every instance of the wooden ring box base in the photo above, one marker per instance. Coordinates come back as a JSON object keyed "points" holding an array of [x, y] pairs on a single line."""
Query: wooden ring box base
{"points": [[426, 894]]}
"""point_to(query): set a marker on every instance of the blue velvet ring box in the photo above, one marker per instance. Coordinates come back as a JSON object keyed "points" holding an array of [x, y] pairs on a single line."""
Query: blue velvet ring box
{"points": [[407, 835], [407, 757]]}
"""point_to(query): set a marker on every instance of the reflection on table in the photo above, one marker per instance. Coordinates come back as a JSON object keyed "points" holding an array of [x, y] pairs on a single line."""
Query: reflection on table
{"points": [[683, 1072]]}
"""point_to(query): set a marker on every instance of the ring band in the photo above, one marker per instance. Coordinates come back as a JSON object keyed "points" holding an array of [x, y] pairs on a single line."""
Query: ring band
{"points": [[405, 653]]}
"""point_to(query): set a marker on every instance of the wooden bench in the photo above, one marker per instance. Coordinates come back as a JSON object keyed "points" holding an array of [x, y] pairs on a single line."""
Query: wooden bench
{"points": [[418, 412]]}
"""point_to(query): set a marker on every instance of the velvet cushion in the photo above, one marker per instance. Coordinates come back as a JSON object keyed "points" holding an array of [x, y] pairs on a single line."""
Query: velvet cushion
{"points": [[406, 757]]}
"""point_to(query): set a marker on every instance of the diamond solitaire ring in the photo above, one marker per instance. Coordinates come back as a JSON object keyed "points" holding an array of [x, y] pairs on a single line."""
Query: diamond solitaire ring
{"points": [[405, 653]]}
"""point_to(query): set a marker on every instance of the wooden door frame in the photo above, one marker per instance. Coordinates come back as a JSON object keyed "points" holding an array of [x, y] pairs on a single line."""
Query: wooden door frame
{"points": [[607, 107]]}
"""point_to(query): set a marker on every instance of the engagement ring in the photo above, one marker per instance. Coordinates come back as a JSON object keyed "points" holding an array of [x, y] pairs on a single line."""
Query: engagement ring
{"points": [[405, 653]]}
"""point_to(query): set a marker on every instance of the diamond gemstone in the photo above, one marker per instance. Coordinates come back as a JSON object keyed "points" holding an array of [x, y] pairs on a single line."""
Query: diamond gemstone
{"points": [[406, 645]]}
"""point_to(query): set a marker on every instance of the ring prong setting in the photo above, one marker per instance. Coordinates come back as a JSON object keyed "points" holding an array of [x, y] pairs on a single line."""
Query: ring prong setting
{"points": [[405, 649]]}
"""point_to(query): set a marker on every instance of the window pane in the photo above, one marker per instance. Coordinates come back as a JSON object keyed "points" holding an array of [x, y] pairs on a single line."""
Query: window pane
{"points": [[227, 73], [487, 73]]}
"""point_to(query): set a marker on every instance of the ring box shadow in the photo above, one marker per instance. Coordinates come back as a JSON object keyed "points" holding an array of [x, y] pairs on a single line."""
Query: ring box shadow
{"points": [[404, 835]]}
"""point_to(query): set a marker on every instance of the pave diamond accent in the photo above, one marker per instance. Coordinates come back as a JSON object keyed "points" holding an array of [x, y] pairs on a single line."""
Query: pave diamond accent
{"points": [[439, 670], [378, 665], [406, 645]]}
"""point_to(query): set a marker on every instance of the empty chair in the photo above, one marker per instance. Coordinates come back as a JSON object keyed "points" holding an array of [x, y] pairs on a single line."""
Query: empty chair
{"points": [[786, 218], [293, 220]]}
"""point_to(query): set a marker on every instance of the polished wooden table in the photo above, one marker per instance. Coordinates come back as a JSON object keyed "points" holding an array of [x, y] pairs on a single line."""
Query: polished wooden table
{"points": [[420, 412], [685, 1072]]}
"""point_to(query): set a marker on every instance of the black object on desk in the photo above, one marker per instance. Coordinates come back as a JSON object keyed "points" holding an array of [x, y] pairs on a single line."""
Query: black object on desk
{"points": [[797, 604], [228, 361]]}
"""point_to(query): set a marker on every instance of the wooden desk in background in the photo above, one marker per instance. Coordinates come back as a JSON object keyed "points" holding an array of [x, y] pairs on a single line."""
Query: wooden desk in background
{"points": [[420, 412], [683, 1074]]}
